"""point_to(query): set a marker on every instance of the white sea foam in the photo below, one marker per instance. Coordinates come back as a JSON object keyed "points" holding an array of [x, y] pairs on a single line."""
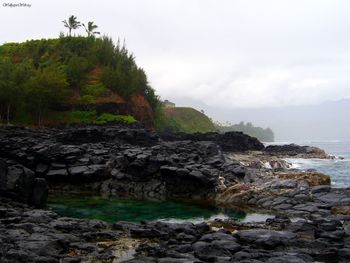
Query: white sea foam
{"points": [[267, 165], [295, 166], [338, 168], [195, 220], [253, 217], [298, 163]]}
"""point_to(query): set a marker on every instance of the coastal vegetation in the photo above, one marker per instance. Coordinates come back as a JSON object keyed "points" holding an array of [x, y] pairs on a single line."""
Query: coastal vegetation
{"points": [[90, 117], [44, 80], [71, 23], [265, 135], [89, 79]]}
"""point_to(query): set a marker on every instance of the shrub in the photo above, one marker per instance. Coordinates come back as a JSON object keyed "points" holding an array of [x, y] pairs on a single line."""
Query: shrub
{"points": [[87, 100], [107, 117], [92, 117], [95, 90], [75, 116]]}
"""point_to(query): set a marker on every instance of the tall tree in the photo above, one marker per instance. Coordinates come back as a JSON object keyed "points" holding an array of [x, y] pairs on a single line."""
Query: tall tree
{"points": [[46, 88], [76, 70], [7, 87], [90, 29], [72, 23], [12, 77]]}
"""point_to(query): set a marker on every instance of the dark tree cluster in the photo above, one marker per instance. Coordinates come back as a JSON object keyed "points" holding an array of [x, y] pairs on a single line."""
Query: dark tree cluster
{"points": [[265, 135]]}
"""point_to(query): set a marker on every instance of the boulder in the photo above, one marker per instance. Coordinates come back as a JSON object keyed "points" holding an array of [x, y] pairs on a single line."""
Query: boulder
{"points": [[268, 239], [313, 178], [215, 250], [57, 175], [20, 184], [40, 193], [284, 184], [181, 181], [320, 189]]}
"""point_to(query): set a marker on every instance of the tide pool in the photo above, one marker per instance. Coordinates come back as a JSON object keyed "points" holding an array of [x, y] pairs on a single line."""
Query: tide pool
{"points": [[124, 209]]}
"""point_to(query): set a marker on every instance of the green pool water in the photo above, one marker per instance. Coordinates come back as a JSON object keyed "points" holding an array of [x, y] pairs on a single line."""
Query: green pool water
{"points": [[122, 209]]}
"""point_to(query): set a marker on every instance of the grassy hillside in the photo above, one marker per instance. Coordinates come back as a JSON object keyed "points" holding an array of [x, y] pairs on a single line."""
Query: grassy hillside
{"points": [[46, 80], [184, 119]]}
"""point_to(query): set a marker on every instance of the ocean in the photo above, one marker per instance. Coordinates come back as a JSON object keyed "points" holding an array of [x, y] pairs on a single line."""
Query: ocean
{"points": [[337, 169]]}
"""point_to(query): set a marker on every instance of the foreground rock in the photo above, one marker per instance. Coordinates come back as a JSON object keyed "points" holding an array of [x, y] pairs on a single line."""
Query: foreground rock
{"points": [[28, 235], [19, 183], [130, 161], [114, 160], [33, 235]]}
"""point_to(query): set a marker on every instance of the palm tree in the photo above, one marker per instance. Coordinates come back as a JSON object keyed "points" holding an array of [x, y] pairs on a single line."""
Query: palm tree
{"points": [[90, 29], [71, 24]]}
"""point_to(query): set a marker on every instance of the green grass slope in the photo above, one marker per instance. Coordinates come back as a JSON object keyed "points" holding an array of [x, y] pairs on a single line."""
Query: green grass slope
{"points": [[184, 119]]}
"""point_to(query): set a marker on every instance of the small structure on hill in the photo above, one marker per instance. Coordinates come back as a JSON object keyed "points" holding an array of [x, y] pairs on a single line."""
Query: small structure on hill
{"points": [[168, 104]]}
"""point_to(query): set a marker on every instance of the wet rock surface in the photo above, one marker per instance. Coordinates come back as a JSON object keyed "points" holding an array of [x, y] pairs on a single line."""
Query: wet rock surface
{"points": [[34, 235], [313, 222]]}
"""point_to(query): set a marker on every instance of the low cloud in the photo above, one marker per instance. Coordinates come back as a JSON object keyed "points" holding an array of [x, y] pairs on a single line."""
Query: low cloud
{"points": [[242, 53], [249, 87]]}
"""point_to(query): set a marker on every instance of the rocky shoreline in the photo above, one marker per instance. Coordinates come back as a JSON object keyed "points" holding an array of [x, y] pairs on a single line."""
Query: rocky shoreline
{"points": [[312, 222]]}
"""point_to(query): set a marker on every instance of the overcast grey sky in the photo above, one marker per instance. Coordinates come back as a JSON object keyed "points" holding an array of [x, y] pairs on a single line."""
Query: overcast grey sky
{"points": [[234, 53]]}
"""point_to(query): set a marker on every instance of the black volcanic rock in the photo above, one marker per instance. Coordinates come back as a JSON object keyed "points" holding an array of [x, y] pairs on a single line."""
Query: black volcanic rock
{"points": [[42, 236], [294, 150], [229, 141], [19, 183], [183, 182], [114, 159], [133, 134]]}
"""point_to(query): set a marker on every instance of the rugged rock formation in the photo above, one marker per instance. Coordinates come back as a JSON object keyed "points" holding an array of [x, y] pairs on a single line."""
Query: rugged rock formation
{"points": [[112, 160], [128, 160], [258, 159], [312, 178], [28, 235], [229, 141], [290, 191], [20, 183], [296, 151], [120, 133]]}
